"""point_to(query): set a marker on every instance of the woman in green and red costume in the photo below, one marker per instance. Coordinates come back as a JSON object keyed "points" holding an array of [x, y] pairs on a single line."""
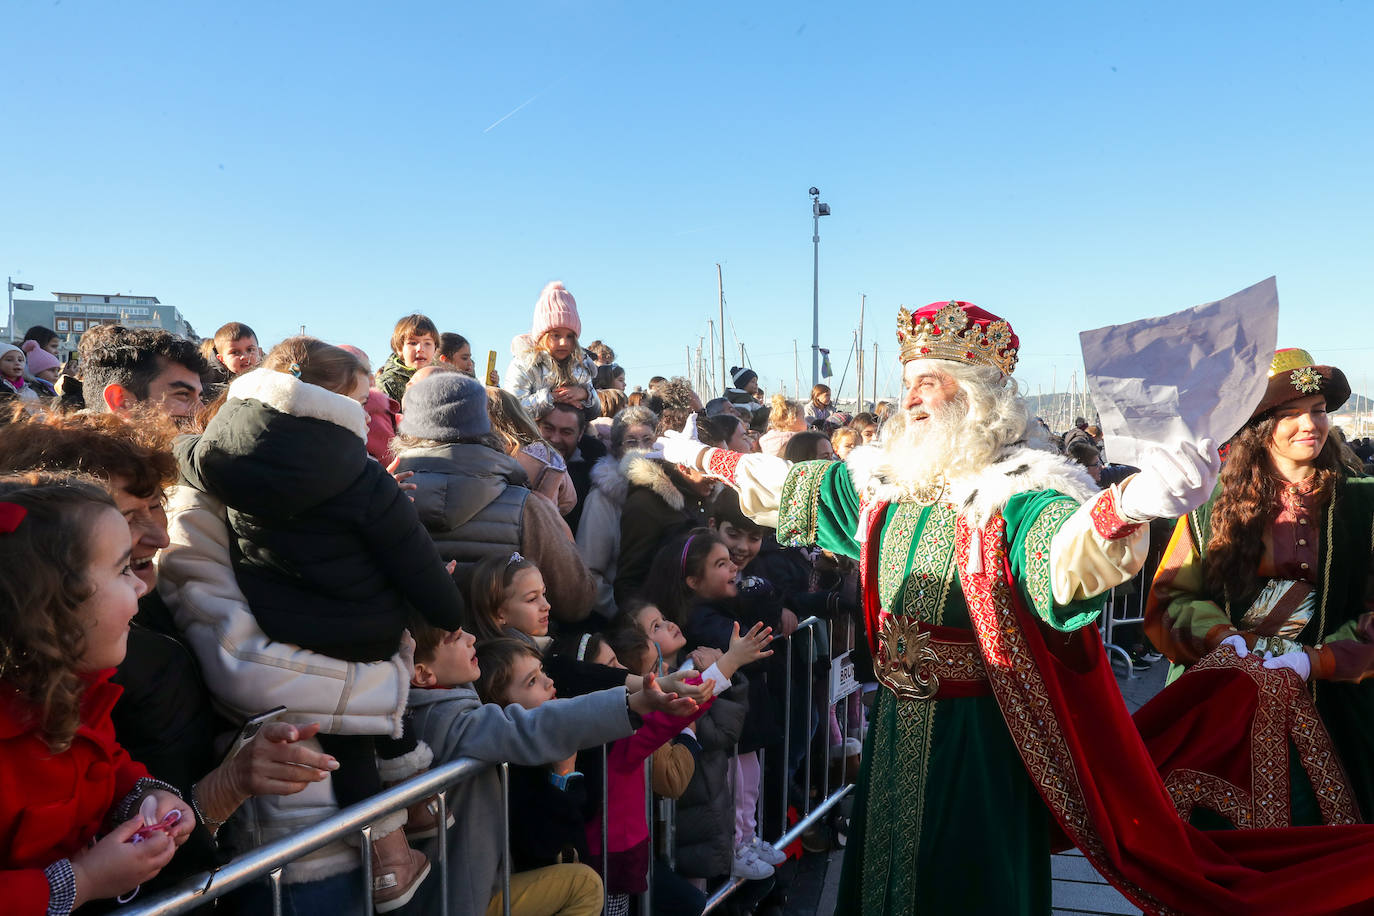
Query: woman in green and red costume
{"points": [[1276, 566]]}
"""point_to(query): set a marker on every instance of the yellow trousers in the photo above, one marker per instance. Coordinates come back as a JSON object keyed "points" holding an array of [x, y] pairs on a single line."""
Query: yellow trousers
{"points": [[558, 890]]}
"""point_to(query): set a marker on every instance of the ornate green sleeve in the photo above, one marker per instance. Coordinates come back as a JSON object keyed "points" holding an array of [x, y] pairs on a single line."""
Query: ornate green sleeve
{"points": [[819, 506], [1033, 519]]}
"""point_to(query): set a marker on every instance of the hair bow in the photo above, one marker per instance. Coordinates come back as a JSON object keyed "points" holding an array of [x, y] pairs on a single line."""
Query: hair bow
{"points": [[515, 558], [11, 514]]}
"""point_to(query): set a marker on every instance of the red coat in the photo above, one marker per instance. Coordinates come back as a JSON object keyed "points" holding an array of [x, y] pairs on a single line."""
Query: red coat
{"points": [[53, 806]]}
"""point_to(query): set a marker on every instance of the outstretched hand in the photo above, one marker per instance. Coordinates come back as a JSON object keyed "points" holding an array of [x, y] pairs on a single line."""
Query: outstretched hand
{"points": [[677, 683], [652, 698], [679, 447], [1172, 482], [746, 649]]}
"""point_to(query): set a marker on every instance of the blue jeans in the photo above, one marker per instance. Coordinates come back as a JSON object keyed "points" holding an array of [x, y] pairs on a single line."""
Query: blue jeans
{"points": [[337, 895]]}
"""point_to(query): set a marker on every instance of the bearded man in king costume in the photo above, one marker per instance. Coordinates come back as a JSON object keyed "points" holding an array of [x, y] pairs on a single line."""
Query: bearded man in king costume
{"points": [[1000, 732]]}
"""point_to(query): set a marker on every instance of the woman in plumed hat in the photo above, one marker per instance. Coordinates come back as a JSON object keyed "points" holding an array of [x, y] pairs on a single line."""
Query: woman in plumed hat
{"points": [[1277, 564]]}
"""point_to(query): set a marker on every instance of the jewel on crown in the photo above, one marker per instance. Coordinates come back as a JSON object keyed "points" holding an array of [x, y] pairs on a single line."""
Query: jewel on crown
{"points": [[951, 334]]}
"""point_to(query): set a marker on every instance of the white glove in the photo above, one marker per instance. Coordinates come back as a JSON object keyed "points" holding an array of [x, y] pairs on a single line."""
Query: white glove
{"points": [[1236, 642], [1297, 662], [680, 447], [1172, 483]]}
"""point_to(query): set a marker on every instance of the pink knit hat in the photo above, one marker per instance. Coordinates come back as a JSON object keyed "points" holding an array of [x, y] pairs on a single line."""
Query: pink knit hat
{"points": [[556, 308], [358, 352], [40, 360]]}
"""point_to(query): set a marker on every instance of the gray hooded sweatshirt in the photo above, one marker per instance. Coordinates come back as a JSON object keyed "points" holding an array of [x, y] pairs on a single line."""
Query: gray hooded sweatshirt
{"points": [[455, 723]]}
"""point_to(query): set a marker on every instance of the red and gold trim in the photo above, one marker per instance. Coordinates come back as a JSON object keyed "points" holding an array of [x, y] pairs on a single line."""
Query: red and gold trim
{"points": [[1027, 706], [1285, 710], [1107, 521], [722, 463]]}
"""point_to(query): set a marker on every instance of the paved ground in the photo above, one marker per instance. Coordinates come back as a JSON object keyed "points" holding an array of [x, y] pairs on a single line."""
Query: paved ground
{"points": [[1078, 889]]}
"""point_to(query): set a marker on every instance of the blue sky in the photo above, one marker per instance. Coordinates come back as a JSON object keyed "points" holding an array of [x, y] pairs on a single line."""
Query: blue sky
{"points": [[338, 165]]}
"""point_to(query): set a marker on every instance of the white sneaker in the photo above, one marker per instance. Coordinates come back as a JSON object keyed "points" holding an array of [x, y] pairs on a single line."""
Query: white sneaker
{"points": [[748, 865], [852, 747], [766, 851]]}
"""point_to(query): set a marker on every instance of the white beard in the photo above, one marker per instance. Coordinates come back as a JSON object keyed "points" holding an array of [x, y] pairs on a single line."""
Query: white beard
{"points": [[919, 454]]}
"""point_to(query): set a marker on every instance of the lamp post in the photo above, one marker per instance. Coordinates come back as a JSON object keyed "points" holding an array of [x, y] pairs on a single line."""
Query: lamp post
{"points": [[11, 287], [818, 210]]}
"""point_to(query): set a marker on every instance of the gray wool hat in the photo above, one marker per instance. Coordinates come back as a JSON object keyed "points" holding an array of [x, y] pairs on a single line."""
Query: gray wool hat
{"points": [[445, 407]]}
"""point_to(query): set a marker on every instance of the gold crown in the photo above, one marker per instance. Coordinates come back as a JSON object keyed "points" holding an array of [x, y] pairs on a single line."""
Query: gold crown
{"points": [[951, 334]]}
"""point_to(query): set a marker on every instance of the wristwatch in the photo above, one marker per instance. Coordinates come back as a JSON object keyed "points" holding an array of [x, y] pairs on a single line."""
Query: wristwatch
{"points": [[562, 781]]}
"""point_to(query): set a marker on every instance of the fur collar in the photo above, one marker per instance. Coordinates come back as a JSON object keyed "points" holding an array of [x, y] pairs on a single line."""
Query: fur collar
{"points": [[608, 478], [287, 394], [646, 472], [1019, 468]]}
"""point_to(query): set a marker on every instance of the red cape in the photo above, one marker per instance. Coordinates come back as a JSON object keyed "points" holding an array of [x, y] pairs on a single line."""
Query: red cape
{"points": [[1081, 749]]}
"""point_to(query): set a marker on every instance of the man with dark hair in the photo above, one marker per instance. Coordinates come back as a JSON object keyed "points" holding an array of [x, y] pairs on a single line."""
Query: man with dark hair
{"points": [[124, 367], [565, 428]]}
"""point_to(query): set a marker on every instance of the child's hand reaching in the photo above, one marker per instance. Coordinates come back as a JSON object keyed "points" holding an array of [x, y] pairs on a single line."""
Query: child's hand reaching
{"points": [[745, 649], [114, 866], [705, 656], [652, 698], [677, 683]]}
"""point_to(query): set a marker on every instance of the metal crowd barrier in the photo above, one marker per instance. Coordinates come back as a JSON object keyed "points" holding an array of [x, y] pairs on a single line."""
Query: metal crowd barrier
{"points": [[267, 861], [1118, 612], [828, 800]]}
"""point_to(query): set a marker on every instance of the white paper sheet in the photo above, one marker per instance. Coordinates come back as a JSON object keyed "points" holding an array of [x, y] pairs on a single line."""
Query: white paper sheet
{"points": [[1193, 374]]}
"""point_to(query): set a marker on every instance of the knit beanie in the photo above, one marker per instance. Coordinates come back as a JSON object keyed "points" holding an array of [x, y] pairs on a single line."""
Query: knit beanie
{"points": [[40, 360], [556, 308], [361, 356], [445, 407], [741, 376]]}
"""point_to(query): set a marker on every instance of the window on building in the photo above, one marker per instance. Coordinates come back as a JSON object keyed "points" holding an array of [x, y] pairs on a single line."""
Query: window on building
{"points": [[78, 325], [62, 325]]}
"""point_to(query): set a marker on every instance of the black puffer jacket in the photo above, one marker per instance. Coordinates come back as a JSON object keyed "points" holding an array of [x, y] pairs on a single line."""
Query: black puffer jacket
{"points": [[706, 811], [327, 549]]}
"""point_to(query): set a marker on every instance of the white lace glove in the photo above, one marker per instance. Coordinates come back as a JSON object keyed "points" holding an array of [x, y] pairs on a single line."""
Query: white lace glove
{"points": [[680, 447], [1172, 483], [1297, 662], [1236, 642]]}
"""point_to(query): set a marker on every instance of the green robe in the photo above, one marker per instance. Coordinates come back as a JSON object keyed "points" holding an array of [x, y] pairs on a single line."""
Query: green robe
{"points": [[946, 819]]}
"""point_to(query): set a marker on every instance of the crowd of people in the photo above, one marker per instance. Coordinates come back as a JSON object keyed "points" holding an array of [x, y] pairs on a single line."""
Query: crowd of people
{"points": [[246, 587], [401, 567]]}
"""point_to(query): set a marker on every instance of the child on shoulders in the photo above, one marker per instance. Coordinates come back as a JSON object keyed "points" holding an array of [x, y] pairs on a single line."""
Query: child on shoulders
{"points": [[548, 365]]}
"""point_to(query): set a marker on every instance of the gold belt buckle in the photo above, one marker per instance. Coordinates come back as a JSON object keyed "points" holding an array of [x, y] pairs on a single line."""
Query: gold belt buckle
{"points": [[904, 652]]}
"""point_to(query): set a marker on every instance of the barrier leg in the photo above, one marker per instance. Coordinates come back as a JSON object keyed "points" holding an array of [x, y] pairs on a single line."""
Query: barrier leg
{"points": [[646, 899], [786, 737], [505, 839], [367, 869], [441, 850], [810, 696], [275, 880]]}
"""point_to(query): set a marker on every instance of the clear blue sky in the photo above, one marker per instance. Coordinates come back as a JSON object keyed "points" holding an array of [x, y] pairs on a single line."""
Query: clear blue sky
{"points": [[340, 164]]}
